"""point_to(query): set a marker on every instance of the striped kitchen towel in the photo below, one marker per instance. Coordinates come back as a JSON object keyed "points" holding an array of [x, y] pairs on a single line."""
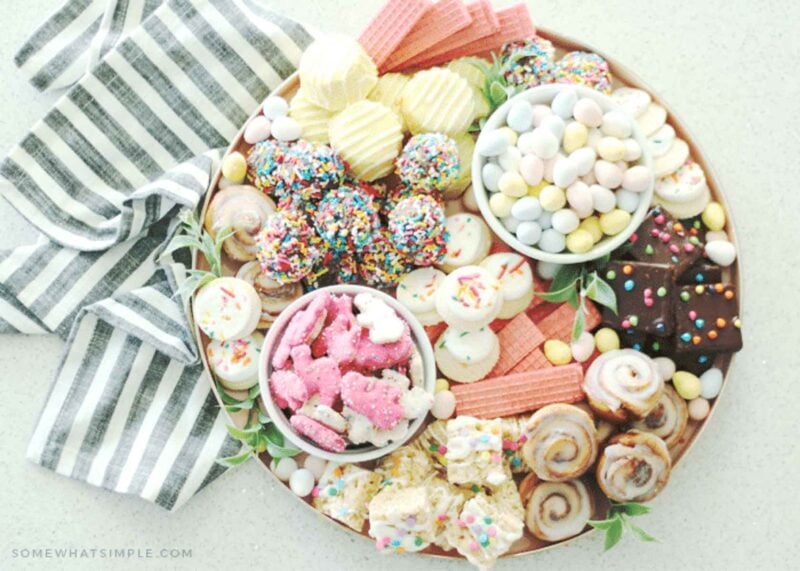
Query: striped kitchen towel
{"points": [[154, 89]]}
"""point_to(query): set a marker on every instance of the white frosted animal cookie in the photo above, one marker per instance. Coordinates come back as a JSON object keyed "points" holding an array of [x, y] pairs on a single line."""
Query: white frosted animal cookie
{"points": [[631, 100], [235, 362], [652, 119], [468, 243], [467, 356], [685, 192], [417, 291], [227, 308], [383, 323], [469, 298], [516, 281], [672, 160], [661, 141]]}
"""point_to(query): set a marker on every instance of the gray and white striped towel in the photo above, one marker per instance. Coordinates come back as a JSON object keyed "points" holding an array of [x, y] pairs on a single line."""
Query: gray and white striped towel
{"points": [[155, 86]]}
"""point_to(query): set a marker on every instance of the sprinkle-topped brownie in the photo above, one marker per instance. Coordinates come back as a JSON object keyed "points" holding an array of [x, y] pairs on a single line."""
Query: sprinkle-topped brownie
{"points": [[644, 297], [663, 240], [707, 319]]}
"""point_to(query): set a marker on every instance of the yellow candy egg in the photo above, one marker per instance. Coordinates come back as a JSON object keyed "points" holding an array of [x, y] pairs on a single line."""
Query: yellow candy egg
{"points": [[611, 149], [500, 204], [592, 226], [509, 134], [552, 198], [442, 385], [614, 222], [537, 190], [234, 167], [575, 136], [606, 339], [557, 352], [687, 384], [714, 216], [579, 241], [512, 184]]}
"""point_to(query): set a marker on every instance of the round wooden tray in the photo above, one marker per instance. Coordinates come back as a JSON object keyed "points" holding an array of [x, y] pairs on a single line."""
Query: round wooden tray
{"points": [[622, 76]]}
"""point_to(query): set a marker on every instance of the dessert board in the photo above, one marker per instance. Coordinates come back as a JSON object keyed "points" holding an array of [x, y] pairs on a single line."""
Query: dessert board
{"points": [[528, 543]]}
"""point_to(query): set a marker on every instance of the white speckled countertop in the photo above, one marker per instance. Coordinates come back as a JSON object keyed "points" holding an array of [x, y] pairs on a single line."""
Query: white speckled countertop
{"points": [[729, 68]]}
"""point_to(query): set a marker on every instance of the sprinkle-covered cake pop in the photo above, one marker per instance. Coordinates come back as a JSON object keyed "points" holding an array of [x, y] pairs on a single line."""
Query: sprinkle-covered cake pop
{"points": [[584, 68], [429, 162], [382, 264], [528, 63], [309, 170], [347, 218], [287, 247], [417, 228], [263, 164]]}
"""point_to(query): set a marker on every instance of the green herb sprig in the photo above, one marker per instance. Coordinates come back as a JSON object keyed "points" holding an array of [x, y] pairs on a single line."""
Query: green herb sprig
{"points": [[618, 521], [495, 89]]}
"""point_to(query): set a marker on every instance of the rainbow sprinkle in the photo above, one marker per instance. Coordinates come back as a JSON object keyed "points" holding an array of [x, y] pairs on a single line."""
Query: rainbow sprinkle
{"points": [[528, 63], [287, 248], [584, 68], [429, 163], [417, 228], [347, 219]]}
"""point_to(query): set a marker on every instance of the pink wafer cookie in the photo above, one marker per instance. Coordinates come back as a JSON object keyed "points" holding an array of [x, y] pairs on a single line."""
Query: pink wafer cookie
{"points": [[320, 376], [440, 22], [558, 325], [323, 436], [302, 328], [390, 26], [517, 339], [520, 392], [377, 399], [533, 361]]}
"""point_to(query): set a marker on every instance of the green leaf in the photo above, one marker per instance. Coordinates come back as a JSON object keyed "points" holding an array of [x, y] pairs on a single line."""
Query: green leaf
{"points": [[613, 534], [599, 291], [579, 324], [226, 398], [254, 391], [557, 296], [278, 452], [640, 533], [566, 275], [497, 93], [263, 418], [633, 509], [248, 435], [237, 460], [273, 434], [179, 242], [602, 524]]}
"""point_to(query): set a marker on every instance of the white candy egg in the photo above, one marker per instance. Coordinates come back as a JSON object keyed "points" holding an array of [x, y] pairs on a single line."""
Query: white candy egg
{"points": [[444, 405], [711, 383], [579, 197], [531, 168], [286, 129], [274, 107], [552, 241], [257, 130], [584, 159], [666, 367], [520, 116], [491, 173], [546, 220], [492, 143], [555, 125], [564, 172], [509, 159], [721, 252], [633, 151], [284, 468], [526, 208], [583, 347], [543, 143], [540, 111], [603, 199], [510, 223], [302, 482], [638, 178], [608, 174], [588, 112], [627, 200], [617, 124], [529, 233], [547, 270], [565, 220], [315, 465], [564, 102]]}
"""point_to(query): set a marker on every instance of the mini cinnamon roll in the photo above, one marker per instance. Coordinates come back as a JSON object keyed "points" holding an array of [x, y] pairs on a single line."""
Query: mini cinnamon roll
{"points": [[634, 467], [604, 428], [623, 384], [668, 419], [558, 510], [274, 297], [244, 209], [562, 442]]}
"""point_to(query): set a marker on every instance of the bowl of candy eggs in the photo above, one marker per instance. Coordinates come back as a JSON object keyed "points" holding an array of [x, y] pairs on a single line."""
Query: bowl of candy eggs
{"points": [[561, 174], [347, 373]]}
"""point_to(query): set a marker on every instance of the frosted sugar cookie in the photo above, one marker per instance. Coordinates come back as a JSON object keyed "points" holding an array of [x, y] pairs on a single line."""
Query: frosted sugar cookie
{"points": [[468, 243], [227, 308], [368, 136], [311, 117], [235, 363], [417, 291], [388, 91], [651, 119], [439, 101], [335, 71], [671, 160], [516, 281], [469, 298], [467, 356], [685, 192], [631, 100]]}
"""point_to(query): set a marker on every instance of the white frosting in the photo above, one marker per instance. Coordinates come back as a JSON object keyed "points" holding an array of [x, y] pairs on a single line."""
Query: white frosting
{"points": [[416, 402], [227, 308], [383, 323], [513, 272], [684, 185], [235, 362], [616, 470], [558, 510], [623, 377], [401, 519], [562, 443], [474, 451], [483, 542], [323, 414], [467, 241], [468, 347], [417, 289], [469, 298]]}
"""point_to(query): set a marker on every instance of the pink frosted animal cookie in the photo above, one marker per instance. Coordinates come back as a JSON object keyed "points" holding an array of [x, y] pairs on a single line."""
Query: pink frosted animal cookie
{"points": [[302, 329], [371, 355], [323, 436], [338, 339], [288, 389], [377, 399], [320, 376]]}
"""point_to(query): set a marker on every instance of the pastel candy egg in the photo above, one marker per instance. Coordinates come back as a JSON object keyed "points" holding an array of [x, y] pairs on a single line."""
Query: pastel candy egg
{"points": [[491, 173], [284, 468], [545, 220], [579, 197], [608, 174], [537, 189], [617, 124], [301, 482], [638, 178], [589, 178], [552, 198], [588, 112], [606, 339], [510, 159], [510, 223], [565, 220], [274, 107], [258, 129], [526, 143], [557, 352], [579, 241], [575, 136], [698, 409], [583, 347], [687, 384], [547, 270], [286, 129], [564, 102], [633, 151], [491, 143], [603, 199], [666, 367], [549, 168], [555, 125], [721, 252], [510, 135], [444, 405], [614, 222], [714, 235], [441, 385], [552, 241], [315, 465], [594, 137], [611, 149], [543, 143], [627, 200], [711, 383], [714, 216], [583, 159], [512, 184], [234, 167], [529, 233], [526, 208], [540, 111], [520, 116], [564, 172], [531, 168], [592, 226], [500, 204]]}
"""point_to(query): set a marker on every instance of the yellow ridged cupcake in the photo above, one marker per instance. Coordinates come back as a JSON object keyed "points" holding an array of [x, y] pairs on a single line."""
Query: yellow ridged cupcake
{"points": [[312, 118], [335, 71], [438, 100], [466, 146], [367, 135], [388, 91]]}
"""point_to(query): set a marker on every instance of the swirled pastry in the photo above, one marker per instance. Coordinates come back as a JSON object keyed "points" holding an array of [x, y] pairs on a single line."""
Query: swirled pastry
{"points": [[274, 297], [604, 428], [634, 467], [558, 510], [668, 419], [562, 442], [244, 210], [623, 384]]}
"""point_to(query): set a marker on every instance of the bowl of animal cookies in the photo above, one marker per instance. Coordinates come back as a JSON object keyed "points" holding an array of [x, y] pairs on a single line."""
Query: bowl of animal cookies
{"points": [[456, 318]]}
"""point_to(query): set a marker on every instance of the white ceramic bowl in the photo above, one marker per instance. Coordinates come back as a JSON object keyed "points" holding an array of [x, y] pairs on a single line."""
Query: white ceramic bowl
{"points": [[364, 452], [545, 94]]}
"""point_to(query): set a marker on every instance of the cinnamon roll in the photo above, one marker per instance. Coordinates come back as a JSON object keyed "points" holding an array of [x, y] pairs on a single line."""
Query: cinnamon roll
{"points": [[623, 384], [634, 467], [244, 209], [558, 510], [274, 297], [604, 428], [562, 442], [668, 419]]}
